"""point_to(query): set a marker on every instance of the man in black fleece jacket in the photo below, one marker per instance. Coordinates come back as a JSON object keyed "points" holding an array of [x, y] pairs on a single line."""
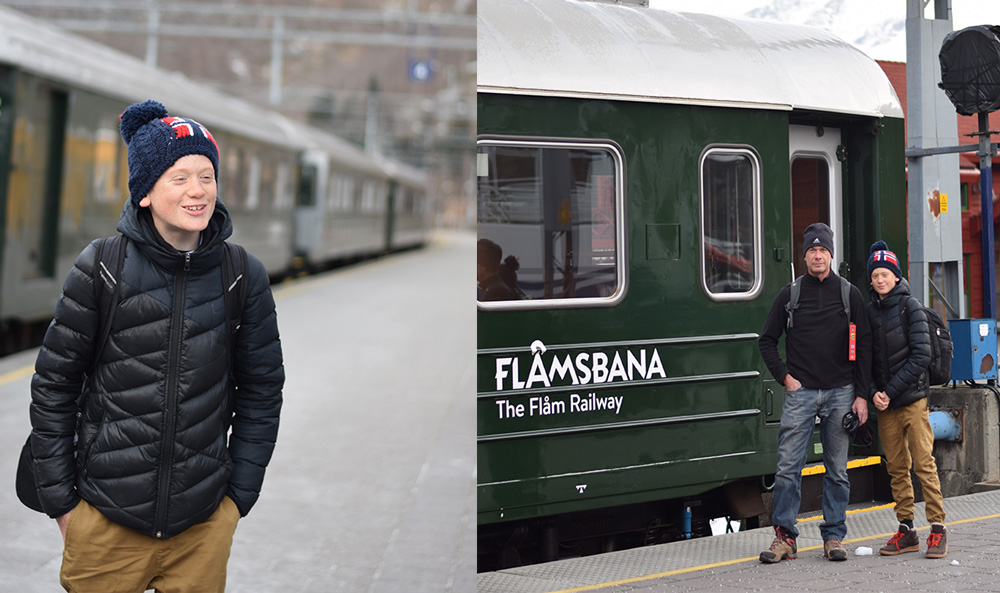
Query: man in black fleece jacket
{"points": [[821, 380]]}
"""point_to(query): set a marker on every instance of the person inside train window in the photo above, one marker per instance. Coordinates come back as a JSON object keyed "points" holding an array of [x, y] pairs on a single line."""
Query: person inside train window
{"points": [[492, 286], [901, 353], [826, 375], [179, 420], [508, 273]]}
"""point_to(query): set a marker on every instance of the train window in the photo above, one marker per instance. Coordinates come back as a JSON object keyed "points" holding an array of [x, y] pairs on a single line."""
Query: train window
{"points": [[357, 194], [123, 191], [730, 183], [283, 187], [253, 183], [234, 184], [369, 196], [108, 146], [551, 223], [335, 191], [341, 192], [268, 180], [383, 197]]}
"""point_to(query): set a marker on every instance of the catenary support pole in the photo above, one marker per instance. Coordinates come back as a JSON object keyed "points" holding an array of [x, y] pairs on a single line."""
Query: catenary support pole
{"points": [[986, 195]]}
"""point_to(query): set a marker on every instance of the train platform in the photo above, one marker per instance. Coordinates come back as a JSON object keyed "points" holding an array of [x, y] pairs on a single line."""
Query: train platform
{"points": [[729, 563], [372, 485]]}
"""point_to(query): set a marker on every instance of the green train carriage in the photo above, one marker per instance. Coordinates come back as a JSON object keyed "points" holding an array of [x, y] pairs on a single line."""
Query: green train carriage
{"points": [[646, 176]]}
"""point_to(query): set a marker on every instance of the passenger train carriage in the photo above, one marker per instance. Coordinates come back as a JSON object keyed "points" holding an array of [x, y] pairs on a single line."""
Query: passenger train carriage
{"points": [[652, 174], [64, 172]]}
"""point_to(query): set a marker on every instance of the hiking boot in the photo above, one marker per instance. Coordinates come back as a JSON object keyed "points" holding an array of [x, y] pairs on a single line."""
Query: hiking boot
{"points": [[782, 548], [937, 541], [834, 550], [905, 540]]}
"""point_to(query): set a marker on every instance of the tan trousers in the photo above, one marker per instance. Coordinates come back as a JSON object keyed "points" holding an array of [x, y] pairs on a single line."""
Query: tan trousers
{"points": [[104, 557], [907, 439]]}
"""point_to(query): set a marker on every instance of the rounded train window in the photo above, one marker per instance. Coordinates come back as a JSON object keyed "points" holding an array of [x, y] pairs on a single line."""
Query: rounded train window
{"points": [[551, 223], [730, 190]]}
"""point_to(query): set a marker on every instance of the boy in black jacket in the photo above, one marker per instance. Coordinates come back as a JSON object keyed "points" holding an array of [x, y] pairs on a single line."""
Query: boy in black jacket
{"points": [[822, 379], [901, 353], [179, 420]]}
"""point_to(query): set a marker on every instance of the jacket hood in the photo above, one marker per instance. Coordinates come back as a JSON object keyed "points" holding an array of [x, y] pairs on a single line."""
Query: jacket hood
{"points": [[136, 223]]}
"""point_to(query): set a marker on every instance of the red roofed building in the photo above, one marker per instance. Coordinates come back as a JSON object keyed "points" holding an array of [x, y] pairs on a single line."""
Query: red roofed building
{"points": [[971, 202]]}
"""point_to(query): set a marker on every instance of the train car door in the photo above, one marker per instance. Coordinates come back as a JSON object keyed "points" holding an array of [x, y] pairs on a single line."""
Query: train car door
{"points": [[815, 187], [34, 186]]}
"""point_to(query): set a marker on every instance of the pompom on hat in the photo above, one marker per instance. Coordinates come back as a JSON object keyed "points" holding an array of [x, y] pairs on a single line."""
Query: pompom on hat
{"points": [[155, 142], [881, 257]]}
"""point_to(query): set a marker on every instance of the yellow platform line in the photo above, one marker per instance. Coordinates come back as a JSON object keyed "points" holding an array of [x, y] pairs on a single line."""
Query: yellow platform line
{"points": [[851, 512], [819, 468], [669, 573], [15, 375]]}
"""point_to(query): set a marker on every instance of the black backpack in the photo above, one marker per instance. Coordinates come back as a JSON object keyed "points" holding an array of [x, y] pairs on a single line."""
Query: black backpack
{"points": [[111, 256], [939, 370]]}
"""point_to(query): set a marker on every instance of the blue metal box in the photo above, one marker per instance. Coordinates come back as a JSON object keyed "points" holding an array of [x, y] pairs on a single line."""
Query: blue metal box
{"points": [[975, 356]]}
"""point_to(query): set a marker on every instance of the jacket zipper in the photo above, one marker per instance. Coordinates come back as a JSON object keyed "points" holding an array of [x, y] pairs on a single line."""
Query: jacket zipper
{"points": [[885, 351], [167, 443]]}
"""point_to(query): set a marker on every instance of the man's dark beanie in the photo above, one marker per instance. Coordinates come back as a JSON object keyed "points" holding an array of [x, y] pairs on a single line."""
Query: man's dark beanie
{"points": [[155, 142], [817, 235]]}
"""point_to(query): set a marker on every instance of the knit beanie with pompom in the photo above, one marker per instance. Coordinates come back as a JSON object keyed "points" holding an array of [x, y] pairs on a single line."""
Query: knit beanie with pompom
{"points": [[881, 257], [155, 142]]}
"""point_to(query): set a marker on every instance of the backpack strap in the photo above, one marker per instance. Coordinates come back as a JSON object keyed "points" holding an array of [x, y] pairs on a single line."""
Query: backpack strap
{"points": [[234, 281], [845, 296], [904, 307], [796, 290], [107, 271], [793, 301]]}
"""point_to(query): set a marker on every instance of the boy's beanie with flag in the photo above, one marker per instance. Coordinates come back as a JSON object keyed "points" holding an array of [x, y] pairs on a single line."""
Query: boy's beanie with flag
{"points": [[881, 257], [155, 142]]}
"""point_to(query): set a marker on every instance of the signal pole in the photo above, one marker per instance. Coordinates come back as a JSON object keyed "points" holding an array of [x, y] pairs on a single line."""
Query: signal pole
{"points": [[934, 193]]}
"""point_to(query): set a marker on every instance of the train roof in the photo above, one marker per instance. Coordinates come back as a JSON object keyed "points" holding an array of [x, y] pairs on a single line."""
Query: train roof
{"points": [[403, 174], [338, 149], [52, 53], [577, 48]]}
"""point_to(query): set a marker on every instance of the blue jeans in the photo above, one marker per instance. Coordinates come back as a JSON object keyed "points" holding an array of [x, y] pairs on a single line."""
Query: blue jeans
{"points": [[798, 418]]}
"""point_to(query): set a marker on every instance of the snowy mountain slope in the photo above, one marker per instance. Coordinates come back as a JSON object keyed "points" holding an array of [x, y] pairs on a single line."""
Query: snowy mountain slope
{"points": [[877, 27]]}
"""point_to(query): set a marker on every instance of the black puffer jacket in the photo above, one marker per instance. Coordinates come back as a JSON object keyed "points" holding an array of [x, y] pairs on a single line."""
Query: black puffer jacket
{"points": [[153, 451], [900, 354]]}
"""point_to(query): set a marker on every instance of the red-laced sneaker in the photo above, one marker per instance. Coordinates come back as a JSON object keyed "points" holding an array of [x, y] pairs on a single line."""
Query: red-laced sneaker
{"points": [[782, 548], [834, 550], [937, 541], [905, 540]]}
